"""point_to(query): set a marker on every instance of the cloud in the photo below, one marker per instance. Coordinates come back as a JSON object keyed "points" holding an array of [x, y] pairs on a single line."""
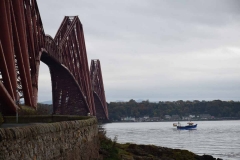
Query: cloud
{"points": [[166, 50]]}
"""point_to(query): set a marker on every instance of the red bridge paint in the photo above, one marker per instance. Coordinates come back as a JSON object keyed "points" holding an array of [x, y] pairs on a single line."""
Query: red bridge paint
{"points": [[98, 90], [23, 44]]}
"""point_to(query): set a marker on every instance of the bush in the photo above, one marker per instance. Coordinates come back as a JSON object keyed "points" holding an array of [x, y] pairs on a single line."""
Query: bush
{"points": [[108, 149], [26, 110], [42, 109]]}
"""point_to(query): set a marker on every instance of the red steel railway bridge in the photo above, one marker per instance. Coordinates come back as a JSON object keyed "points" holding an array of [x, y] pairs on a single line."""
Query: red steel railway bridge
{"points": [[23, 44]]}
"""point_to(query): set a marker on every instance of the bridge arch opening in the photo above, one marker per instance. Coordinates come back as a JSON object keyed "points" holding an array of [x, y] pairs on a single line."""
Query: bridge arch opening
{"points": [[44, 84], [67, 97]]}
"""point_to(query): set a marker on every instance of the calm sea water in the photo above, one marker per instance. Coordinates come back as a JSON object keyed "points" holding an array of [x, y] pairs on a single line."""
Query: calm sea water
{"points": [[220, 139]]}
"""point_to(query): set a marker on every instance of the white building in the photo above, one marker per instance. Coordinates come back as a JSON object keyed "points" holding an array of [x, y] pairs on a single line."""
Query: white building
{"points": [[128, 119]]}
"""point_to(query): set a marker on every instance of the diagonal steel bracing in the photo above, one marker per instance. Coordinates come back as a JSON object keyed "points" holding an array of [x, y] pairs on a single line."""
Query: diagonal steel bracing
{"points": [[69, 51], [23, 44], [98, 90], [21, 37]]}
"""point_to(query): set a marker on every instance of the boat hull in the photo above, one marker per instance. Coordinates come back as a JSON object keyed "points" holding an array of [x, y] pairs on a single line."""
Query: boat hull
{"points": [[189, 127]]}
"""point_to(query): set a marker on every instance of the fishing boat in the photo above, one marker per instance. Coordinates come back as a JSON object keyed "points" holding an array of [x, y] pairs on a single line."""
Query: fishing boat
{"points": [[189, 126]]}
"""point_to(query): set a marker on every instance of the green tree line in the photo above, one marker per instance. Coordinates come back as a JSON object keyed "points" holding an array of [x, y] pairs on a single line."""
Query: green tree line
{"points": [[216, 108]]}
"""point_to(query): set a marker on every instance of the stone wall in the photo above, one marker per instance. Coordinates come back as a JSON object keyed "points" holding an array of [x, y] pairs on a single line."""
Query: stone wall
{"points": [[66, 140]]}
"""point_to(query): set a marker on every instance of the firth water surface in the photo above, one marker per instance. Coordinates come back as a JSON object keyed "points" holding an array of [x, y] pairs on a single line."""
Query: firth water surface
{"points": [[220, 139]]}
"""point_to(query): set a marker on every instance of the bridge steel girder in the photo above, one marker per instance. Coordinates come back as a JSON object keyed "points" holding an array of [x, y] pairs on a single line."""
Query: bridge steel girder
{"points": [[98, 90], [70, 39], [23, 44], [21, 37], [68, 98], [71, 62]]}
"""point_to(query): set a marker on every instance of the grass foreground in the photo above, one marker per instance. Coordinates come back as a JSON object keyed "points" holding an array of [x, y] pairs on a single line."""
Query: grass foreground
{"points": [[111, 150]]}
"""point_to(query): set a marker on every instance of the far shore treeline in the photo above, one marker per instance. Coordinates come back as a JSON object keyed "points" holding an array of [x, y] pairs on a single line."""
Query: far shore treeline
{"points": [[216, 108]]}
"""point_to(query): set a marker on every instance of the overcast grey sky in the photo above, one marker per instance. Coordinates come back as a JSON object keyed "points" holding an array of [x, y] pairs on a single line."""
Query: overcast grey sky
{"points": [[159, 50]]}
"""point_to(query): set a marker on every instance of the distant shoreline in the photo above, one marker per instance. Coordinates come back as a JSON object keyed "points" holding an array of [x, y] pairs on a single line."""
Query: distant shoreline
{"points": [[176, 120]]}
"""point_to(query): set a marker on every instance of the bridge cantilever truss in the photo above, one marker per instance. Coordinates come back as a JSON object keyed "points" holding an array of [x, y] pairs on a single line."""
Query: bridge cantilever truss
{"points": [[69, 52], [21, 40], [23, 44], [98, 90]]}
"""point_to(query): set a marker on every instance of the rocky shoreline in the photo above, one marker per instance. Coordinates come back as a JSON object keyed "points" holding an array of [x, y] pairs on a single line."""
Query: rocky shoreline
{"points": [[111, 150]]}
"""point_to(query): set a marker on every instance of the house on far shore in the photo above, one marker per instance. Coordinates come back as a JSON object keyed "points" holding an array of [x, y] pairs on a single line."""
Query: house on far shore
{"points": [[205, 116], [192, 116], [167, 117], [128, 119], [185, 118], [146, 117], [188, 117], [140, 119], [155, 119], [175, 117]]}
